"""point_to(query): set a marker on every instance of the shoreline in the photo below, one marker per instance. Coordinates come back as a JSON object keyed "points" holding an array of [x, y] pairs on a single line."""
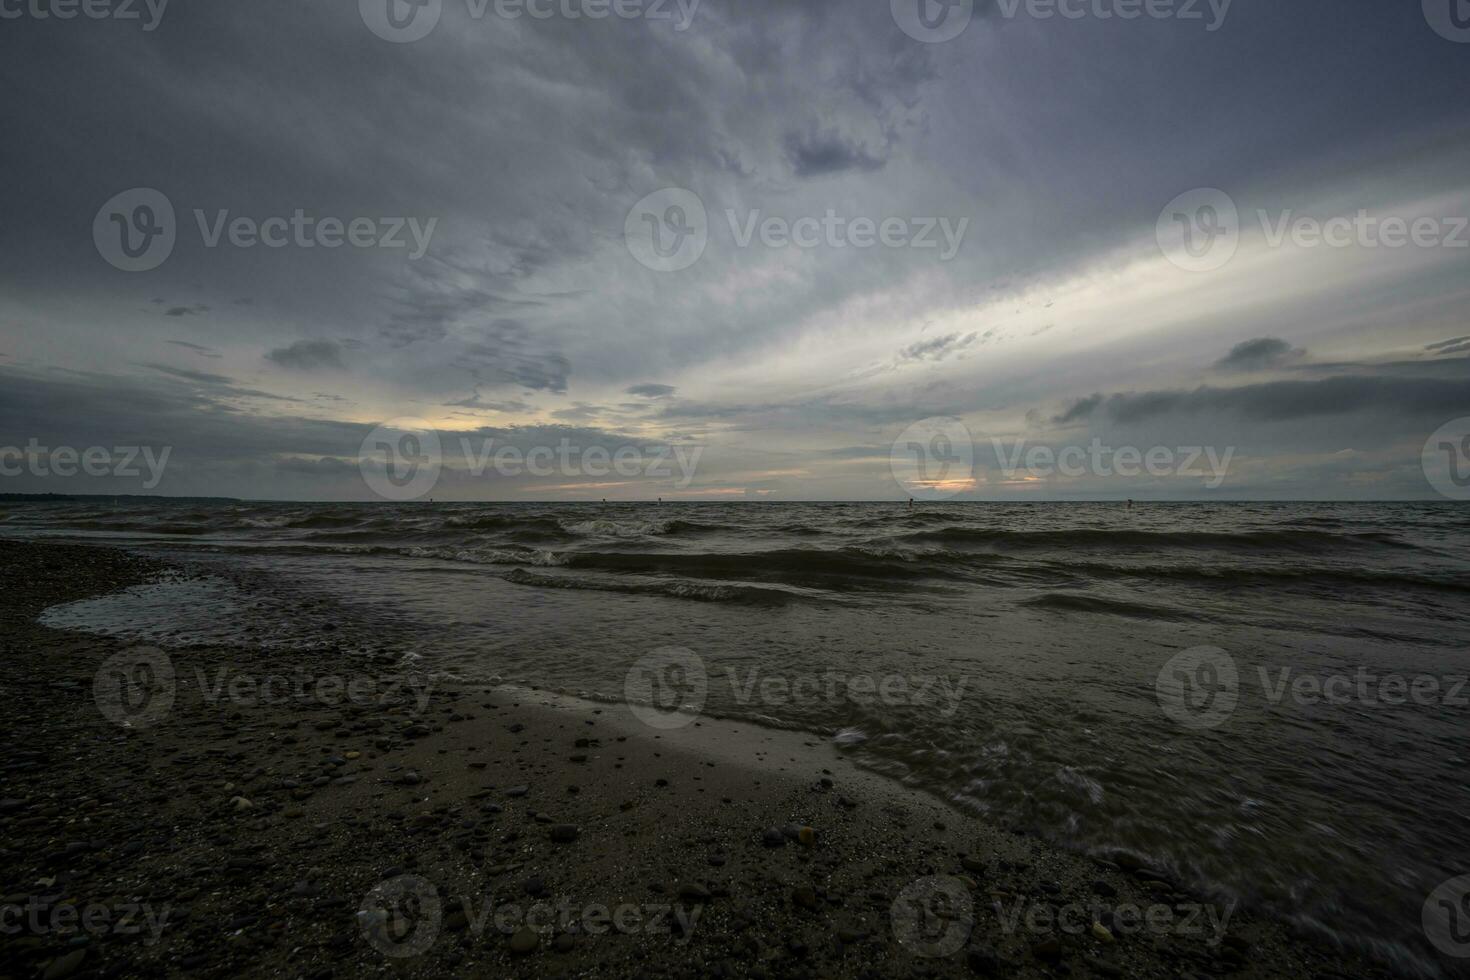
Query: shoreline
{"points": [[311, 830]]}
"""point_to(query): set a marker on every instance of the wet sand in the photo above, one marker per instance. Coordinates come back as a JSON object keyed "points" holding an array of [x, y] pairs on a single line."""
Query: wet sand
{"points": [[269, 814]]}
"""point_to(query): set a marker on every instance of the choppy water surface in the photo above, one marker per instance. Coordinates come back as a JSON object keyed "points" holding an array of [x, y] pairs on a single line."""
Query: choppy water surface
{"points": [[1020, 646]]}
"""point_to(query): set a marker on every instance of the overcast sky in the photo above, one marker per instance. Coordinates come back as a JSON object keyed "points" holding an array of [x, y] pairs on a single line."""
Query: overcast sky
{"points": [[994, 237]]}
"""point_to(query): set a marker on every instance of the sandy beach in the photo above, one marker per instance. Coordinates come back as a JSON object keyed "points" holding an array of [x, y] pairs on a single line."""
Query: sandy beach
{"points": [[261, 814]]}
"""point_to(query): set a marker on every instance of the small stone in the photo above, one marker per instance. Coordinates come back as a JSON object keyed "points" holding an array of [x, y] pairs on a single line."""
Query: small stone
{"points": [[65, 966], [563, 833], [1048, 950], [772, 837], [517, 791], [804, 897], [1100, 933], [807, 836], [694, 892], [983, 961], [1103, 967], [973, 865], [524, 941]]}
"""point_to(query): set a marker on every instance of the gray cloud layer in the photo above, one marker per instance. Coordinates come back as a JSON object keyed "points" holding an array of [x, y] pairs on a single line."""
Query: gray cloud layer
{"points": [[528, 142]]}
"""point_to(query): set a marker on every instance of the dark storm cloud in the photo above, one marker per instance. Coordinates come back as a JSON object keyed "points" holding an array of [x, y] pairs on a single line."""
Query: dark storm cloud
{"points": [[198, 309], [1258, 354], [1080, 410], [199, 349], [817, 153], [937, 348], [651, 390], [307, 355], [1455, 346], [531, 141], [1288, 400], [476, 401], [510, 354], [201, 377]]}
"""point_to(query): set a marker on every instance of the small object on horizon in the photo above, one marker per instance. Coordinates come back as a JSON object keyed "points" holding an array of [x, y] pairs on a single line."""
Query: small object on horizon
{"points": [[1130, 504]]}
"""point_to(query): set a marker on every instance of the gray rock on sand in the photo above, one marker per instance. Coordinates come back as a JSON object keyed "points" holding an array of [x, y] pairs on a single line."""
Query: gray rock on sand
{"points": [[65, 966], [694, 892]]}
